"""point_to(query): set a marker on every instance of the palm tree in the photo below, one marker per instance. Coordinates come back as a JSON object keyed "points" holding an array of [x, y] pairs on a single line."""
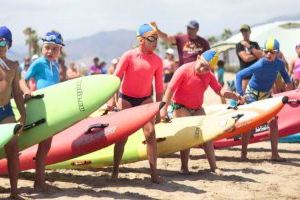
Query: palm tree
{"points": [[32, 41], [226, 34]]}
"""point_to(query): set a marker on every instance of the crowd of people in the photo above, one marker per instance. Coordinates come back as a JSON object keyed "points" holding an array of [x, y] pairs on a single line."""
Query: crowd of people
{"points": [[180, 84]]}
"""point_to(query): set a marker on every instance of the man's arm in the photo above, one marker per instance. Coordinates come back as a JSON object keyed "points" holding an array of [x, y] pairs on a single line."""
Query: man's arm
{"points": [[165, 37], [18, 97]]}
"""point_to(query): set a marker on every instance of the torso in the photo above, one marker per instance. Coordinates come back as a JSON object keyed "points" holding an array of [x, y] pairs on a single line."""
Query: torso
{"points": [[6, 81], [239, 48], [189, 49]]}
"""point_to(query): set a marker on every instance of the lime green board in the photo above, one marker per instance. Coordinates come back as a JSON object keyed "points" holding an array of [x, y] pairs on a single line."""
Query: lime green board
{"points": [[62, 105], [7, 131], [181, 133]]}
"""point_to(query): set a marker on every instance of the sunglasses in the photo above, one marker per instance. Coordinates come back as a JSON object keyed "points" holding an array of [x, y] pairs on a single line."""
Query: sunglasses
{"points": [[53, 38], [151, 38], [3, 43], [270, 51]]}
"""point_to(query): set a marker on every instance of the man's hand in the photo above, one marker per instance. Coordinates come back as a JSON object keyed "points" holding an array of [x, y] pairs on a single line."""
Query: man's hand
{"points": [[27, 97], [154, 24]]}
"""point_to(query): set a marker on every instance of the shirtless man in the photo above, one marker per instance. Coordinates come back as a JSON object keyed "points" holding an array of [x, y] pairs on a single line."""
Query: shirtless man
{"points": [[9, 86]]}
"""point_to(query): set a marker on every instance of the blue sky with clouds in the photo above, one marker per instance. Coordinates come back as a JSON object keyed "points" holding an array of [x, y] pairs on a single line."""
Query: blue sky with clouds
{"points": [[79, 18]]}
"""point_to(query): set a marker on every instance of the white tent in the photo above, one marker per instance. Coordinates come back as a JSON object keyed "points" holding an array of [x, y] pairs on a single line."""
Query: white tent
{"points": [[286, 32]]}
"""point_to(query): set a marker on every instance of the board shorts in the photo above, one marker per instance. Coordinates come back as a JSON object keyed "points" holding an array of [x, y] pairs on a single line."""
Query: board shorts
{"points": [[252, 95], [6, 111]]}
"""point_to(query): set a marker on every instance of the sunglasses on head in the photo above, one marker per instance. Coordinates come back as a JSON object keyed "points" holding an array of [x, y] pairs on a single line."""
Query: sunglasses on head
{"points": [[270, 51], [151, 38], [3, 43]]}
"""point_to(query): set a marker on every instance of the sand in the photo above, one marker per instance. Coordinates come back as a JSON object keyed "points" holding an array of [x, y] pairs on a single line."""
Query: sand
{"points": [[258, 178]]}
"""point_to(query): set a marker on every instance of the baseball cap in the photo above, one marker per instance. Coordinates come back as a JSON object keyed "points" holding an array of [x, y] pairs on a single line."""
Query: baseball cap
{"points": [[53, 37], [271, 44], [193, 24], [245, 27], [6, 34]]}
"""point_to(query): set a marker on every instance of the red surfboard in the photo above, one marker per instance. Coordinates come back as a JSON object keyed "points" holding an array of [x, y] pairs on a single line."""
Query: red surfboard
{"points": [[89, 135], [288, 123]]}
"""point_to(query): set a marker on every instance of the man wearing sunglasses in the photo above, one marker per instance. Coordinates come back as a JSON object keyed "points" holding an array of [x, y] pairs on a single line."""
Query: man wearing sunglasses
{"points": [[248, 51], [189, 45], [263, 74], [9, 86], [137, 68]]}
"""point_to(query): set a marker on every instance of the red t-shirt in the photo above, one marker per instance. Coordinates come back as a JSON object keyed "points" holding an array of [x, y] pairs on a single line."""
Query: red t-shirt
{"points": [[189, 49], [138, 70], [189, 87]]}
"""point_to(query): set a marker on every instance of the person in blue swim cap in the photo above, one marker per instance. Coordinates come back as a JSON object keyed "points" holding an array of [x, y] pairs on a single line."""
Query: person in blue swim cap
{"points": [[45, 71], [263, 75], [9, 87]]}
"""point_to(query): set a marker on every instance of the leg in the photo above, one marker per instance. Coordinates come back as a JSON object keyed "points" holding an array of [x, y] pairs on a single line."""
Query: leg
{"points": [[273, 124], [184, 154], [41, 155], [11, 150], [119, 146], [245, 141]]}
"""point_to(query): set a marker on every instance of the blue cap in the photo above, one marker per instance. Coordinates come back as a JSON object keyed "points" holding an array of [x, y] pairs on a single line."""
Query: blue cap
{"points": [[211, 56], [193, 24], [271, 44], [6, 34], [54, 38], [146, 30]]}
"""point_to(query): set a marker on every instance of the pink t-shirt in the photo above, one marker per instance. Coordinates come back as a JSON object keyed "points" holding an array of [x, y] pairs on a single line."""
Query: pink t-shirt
{"points": [[138, 70], [189, 49], [189, 87]]}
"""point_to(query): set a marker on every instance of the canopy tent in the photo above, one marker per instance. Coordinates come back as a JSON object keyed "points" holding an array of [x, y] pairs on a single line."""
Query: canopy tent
{"points": [[286, 32]]}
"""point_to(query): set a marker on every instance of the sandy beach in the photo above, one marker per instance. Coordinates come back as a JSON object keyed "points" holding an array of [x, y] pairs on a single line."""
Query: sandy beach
{"points": [[258, 178]]}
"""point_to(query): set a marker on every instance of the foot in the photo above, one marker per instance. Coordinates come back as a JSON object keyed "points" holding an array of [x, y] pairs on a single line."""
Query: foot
{"points": [[278, 159], [184, 172], [44, 188], [244, 158], [16, 196], [217, 172], [157, 179], [114, 176]]}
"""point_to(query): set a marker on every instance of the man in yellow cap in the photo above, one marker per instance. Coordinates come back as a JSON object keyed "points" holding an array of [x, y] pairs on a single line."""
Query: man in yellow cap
{"points": [[186, 90]]}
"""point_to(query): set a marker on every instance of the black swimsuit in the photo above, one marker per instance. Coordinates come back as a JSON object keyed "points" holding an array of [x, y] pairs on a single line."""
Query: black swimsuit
{"points": [[132, 100]]}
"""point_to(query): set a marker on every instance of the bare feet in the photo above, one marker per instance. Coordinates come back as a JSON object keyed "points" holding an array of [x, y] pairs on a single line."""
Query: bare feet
{"points": [[184, 172], [157, 179], [114, 176], [16, 196], [244, 159], [277, 158], [217, 172], [44, 188]]}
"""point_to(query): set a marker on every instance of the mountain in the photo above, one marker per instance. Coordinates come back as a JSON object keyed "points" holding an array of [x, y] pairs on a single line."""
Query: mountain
{"points": [[106, 45]]}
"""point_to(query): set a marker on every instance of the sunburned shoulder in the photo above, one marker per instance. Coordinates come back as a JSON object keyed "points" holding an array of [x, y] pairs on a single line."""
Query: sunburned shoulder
{"points": [[12, 64]]}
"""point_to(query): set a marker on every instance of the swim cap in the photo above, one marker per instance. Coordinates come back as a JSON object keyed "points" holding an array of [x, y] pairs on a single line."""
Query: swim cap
{"points": [[53, 37], [146, 30], [6, 34], [211, 56], [271, 44]]}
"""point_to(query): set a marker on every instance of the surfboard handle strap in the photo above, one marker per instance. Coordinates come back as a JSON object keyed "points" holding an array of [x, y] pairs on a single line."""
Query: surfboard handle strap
{"points": [[34, 124], [81, 163], [96, 126], [38, 96], [17, 128], [237, 117], [115, 109], [294, 101]]}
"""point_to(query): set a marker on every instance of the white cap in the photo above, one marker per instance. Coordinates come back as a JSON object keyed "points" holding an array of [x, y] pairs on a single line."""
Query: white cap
{"points": [[170, 51], [34, 57], [114, 61]]}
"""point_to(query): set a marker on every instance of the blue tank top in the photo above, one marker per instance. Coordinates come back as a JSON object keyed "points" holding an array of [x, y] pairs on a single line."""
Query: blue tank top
{"points": [[44, 72]]}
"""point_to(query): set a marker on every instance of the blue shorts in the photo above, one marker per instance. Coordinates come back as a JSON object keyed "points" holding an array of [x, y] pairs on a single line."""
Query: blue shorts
{"points": [[6, 111]]}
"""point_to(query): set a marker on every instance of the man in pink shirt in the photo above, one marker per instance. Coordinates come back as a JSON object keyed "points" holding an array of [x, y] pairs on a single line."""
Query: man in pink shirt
{"points": [[186, 90], [137, 68]]}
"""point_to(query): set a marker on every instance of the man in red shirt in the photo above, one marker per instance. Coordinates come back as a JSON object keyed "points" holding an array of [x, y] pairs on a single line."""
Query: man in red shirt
{"points": [[186, 90], [137, 68], [189, 45]]}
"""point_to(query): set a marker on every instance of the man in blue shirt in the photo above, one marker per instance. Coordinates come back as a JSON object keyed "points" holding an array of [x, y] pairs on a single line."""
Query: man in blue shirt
{"points": [[263, 75]]}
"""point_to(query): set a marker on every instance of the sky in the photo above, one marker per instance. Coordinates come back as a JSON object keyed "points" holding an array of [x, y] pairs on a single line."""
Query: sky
{"points": [[80, 18]]}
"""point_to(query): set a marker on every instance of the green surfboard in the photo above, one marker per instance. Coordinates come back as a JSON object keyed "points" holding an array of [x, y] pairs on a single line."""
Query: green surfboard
{"points": [[57, 107], [7, 131]]}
